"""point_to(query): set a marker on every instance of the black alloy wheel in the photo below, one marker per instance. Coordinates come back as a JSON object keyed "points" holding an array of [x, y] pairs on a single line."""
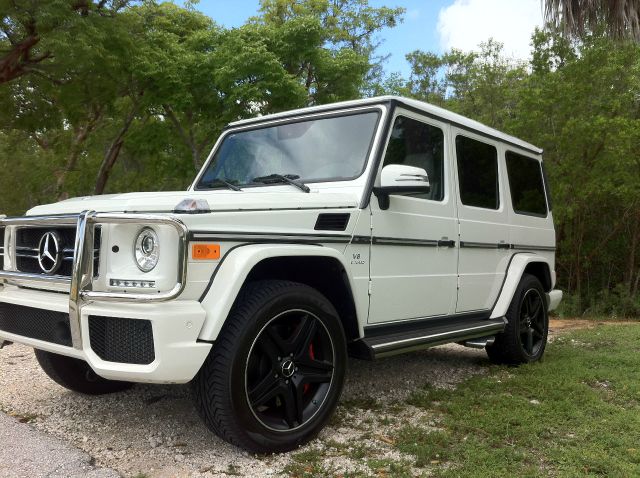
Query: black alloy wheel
{"points": [[289, 371], [525, 334], [532, 322], [275, 372]]}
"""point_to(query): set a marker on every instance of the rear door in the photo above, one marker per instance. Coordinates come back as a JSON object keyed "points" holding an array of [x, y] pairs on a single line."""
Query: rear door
{"points": [[413, 253], [483, 221]]}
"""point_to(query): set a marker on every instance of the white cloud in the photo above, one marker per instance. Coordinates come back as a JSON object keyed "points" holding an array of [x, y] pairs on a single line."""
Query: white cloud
{"points": [[466, 23]]}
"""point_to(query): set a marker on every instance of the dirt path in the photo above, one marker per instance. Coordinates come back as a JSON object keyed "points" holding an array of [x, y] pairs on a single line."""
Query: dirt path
{"points": [[560, 325]]}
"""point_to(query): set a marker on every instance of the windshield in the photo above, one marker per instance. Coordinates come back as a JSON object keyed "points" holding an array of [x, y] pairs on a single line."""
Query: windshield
{"points": [[314, 150]]}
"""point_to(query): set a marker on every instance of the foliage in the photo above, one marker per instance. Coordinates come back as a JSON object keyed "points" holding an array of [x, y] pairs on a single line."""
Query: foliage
{"points": [[117, 95], [580, 102], [584, 111], [34, 34]]}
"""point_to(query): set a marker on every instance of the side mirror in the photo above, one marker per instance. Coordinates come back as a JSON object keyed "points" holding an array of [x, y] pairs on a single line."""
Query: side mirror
{"points": [[400, 179]]}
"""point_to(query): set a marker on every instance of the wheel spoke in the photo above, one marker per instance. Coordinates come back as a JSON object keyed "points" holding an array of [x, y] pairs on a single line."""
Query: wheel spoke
{"points": [[538, 326], [315, 371], [537, 305], [526, 306], [530, 340], [279, 345], [271, 347], [265, 390], [293, 413], [303, 336]]}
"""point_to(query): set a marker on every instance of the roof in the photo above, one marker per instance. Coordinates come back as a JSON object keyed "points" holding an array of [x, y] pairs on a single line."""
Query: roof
{"points": [[426, 108]]}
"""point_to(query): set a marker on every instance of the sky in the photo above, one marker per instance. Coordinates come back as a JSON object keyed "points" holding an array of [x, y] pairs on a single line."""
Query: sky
{"points": [[430, 25]]}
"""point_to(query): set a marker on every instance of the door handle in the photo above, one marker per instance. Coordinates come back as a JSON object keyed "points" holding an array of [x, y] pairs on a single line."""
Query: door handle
{"points": [[446, 243], [504, 245]]}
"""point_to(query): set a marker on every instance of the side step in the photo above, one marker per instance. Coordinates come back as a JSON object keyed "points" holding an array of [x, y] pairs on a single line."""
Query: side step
{"points": [[426, 335], [479, 343]]}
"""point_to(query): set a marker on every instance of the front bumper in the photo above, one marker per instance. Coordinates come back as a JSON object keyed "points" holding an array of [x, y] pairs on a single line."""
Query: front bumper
{"points": [[175, 324], [175, 327]]}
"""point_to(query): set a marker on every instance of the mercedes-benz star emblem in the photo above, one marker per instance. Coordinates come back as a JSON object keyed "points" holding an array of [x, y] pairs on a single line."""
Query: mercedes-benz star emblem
{"points": [[50, 253], [288, 367]]}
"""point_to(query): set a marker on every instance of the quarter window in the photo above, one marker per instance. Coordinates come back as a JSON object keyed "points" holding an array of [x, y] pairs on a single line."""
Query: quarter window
{"points": [[477, 173], [418, 144], [526, 185]]}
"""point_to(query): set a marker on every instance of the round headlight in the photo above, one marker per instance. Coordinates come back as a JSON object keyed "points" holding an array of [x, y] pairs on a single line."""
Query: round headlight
{"points": [[147, 250]]}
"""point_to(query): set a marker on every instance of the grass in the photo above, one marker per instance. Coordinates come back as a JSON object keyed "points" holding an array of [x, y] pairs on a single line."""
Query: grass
{"points": [[577, 413]]}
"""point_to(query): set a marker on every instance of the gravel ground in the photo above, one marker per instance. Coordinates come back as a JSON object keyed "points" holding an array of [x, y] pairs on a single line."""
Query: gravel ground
{"points": [[154, 429]]}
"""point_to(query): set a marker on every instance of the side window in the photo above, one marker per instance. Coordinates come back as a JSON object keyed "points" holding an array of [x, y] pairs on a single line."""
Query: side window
{"points": [[526, 184], [421, 145], [477, 173]]}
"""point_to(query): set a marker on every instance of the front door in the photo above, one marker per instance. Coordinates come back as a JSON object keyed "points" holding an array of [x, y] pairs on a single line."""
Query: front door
{"points": [[413, 249]]}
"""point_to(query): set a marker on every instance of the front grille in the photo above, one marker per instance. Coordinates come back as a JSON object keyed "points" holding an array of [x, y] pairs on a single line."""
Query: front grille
{"points": [[35, 323], [1, 248], [115, 339], [27, 249]]}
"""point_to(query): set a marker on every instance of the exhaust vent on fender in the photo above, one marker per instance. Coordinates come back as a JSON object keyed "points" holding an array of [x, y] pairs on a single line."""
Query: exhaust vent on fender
{"points": [[332, 222]]}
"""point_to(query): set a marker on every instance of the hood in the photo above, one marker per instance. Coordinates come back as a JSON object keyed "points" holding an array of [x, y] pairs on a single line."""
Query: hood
{"points": [[218, 200]]}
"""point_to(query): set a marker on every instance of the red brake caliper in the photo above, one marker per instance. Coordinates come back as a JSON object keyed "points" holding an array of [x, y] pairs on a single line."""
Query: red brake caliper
{"points": [[312, 356]]}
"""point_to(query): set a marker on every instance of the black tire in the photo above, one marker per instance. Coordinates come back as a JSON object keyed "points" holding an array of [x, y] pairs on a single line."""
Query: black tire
{"points": [[76, 375], [525, 336], [250, 392]]}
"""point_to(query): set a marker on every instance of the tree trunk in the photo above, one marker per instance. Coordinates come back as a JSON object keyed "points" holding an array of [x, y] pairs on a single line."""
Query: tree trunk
{"points": [[18, 60], [111, 156], [635, 232], [187, 138], [80, 136]]}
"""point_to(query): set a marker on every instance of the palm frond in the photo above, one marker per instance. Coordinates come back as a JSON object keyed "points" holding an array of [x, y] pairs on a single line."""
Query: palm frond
{"points": [[620, 18]]}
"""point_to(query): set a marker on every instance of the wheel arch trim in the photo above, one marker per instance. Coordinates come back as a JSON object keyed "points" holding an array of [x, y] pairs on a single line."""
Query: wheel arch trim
{"points": [[232, 273], [516, 269]]}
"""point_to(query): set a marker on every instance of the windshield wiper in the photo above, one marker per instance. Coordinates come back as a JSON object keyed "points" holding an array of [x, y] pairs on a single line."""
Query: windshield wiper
{"points": [[282, 178], [221, 182]]}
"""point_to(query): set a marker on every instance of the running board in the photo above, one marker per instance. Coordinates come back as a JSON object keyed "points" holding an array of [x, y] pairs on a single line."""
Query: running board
{"points": [[424, 337]]}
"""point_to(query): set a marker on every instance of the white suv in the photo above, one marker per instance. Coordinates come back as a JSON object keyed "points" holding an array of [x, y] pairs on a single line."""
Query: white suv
{"points": [[366, 228]]}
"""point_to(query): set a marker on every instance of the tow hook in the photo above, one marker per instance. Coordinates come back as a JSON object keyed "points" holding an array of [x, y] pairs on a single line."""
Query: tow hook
{"points": [[4, 343]]}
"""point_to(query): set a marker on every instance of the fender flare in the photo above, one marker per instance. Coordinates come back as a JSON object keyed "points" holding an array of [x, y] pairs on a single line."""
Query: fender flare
{"points": [[231, 274], [512, 278]]}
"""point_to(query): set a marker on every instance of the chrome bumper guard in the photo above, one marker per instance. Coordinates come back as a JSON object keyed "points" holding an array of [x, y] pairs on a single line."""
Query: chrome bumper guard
{"points": [[81, 280]]}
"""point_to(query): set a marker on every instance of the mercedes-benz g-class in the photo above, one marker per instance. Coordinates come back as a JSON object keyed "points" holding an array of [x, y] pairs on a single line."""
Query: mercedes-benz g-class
{"points": [[363, 228]]}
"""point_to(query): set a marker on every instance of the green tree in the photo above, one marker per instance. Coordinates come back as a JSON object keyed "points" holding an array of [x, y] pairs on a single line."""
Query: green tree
{"points": [[482, 84], [30, 33], [581, 105], [334, 57]]}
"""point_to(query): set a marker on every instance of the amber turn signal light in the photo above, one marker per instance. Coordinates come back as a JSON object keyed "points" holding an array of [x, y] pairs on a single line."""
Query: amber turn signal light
{"points": [[205, 251]]}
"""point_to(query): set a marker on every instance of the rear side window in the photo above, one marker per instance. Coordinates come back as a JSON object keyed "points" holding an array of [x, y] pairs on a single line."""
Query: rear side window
{"points": [[526, 184], [477, 173], [421, 145]]}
